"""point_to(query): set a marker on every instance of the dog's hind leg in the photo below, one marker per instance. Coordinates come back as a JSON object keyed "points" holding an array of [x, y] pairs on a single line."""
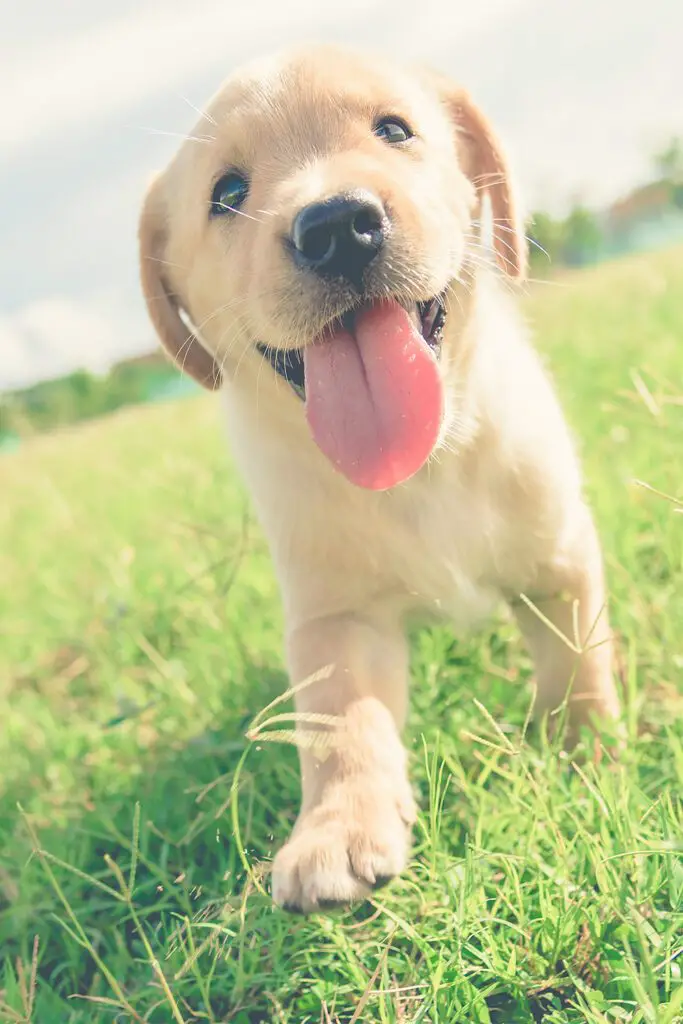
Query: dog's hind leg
{"points": [[567, 629]]}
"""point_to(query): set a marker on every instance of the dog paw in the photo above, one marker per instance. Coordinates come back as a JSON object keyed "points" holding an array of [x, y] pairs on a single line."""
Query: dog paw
{"points": [[352, 843]]}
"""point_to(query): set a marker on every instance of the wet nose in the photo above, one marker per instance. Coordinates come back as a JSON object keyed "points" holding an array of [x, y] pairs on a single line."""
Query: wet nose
{"points": [[340, 236]]}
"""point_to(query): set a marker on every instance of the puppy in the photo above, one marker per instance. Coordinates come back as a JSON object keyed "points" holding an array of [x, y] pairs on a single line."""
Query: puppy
{"points": [[315, 253]]}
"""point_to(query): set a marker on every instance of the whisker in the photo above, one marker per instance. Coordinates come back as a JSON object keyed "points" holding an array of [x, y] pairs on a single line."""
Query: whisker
{"points": [[489, 184], [503, 241], [479, 257], [486, 175], [482, 251], [184, 351], [166, 263], [202, 113], [234, 209], [532, 241], [496, 254], [178, 135], [237, 333]]}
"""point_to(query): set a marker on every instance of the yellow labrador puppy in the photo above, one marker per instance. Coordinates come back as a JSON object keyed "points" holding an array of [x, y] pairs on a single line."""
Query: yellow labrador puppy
{"points": [[315, 254]]}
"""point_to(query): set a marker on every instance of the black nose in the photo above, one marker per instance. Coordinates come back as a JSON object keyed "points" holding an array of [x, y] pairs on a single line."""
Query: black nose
{"points": [[340, 236]]}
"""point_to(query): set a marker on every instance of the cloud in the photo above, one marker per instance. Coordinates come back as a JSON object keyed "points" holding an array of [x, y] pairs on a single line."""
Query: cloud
{"points": [[579, 102], [56, 335], [117, 63]]}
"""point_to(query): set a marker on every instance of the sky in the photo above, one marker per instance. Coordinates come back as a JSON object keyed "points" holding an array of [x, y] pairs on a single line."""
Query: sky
{"points": [[93, 95]]}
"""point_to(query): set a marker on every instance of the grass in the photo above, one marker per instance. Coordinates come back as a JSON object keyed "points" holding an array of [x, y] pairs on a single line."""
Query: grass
{"points": [[141, 634]]}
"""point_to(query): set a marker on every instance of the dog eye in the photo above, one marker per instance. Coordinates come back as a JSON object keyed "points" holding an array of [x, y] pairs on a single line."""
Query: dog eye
{"points": [[229, 193], [392, 130]]}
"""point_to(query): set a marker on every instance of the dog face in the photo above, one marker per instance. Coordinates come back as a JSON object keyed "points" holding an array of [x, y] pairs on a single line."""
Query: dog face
{"points": [[321, 220]]}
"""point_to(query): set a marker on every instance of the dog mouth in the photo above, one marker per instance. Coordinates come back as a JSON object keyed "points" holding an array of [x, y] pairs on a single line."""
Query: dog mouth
{"points": [[430, 318]]}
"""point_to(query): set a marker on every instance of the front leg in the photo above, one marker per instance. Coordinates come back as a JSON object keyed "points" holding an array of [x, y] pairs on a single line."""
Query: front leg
{"points": [[578, 664], [353, 831]]}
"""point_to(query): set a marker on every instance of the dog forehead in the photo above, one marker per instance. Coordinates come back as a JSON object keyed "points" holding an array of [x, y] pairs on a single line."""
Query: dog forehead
{"points": [[315, 82]]}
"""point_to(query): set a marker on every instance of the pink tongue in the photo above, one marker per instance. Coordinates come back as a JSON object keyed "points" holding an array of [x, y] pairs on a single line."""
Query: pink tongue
{"points": [[374, 399]]}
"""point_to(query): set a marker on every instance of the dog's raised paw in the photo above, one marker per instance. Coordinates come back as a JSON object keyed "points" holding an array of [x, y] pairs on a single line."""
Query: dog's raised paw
{"points": [[340, 852]]}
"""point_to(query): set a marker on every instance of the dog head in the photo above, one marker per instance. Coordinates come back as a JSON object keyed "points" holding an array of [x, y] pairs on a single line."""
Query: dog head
{"points": [[321, 219]]}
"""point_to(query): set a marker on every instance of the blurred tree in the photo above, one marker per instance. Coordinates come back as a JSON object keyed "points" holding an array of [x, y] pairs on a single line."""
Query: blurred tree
{"points": [[80, 396], [545, 236], [669, 161], [582, 236]]}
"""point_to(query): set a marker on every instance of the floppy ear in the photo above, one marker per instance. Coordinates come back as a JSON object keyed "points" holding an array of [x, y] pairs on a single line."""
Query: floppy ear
{"points": [[487, 169], [180, 342]]}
